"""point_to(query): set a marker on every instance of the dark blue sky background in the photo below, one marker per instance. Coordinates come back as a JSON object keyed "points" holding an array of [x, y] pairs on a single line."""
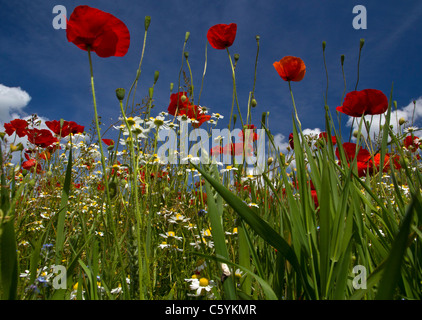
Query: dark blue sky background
{"points": [[55, 73]]}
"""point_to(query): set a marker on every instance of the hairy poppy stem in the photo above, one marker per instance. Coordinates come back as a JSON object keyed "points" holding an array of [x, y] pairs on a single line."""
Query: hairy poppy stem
{"points": [[205, 70], [105, 180], [234, 93], [294, 106], [134, 188]]}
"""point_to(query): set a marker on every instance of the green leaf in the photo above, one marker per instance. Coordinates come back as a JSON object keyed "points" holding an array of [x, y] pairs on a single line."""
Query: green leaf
{"points": [[394, 261], [259, 226]]}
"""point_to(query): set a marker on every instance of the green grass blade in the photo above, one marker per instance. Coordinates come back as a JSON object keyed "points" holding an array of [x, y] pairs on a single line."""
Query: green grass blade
{"points": [[394, 261], [259, 226]]}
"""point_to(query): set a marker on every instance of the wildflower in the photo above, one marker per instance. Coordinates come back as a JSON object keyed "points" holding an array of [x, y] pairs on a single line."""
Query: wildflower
{"points": [[170, 234], [41, 137], [178, 218], [411, 143], [200, 285], [221, 36], [252, 204], [217, 116], [368, 101], [191, 158], [108, 142], [99, 31], [323, 135], [17, 125], [64, 128], [228, 169], [290, 68]]}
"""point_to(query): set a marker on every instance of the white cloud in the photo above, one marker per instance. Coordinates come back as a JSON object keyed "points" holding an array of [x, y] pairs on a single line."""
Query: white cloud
{"points": [[411, 113], [12, 100]]}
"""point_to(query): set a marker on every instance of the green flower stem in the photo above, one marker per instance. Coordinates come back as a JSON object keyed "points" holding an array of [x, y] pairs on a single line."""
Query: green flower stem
{"points": [[234, 93], [134, 189], [294, 107], [105, 179]]}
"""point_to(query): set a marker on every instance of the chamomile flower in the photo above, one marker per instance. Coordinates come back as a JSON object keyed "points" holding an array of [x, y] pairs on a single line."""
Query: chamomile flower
{"points": [[178, 218], [200, 286], [170, 234], [191, 158], [253, 204], [217, 116], [228, 169]]}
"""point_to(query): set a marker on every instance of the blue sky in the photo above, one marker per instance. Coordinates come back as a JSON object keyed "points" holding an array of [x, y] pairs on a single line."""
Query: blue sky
{"points": [[54, 73]]}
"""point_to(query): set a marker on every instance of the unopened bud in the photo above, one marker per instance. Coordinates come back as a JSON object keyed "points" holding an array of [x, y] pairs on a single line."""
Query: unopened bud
{"points": [[156, 75], [253, 103], [187, 35], [236, 56], [355, 133], [120, 94], [402, 121], [147, 22], [324, 44], [361, 43], [270, 160], [186, 54], [183, 98], [342, 59]]}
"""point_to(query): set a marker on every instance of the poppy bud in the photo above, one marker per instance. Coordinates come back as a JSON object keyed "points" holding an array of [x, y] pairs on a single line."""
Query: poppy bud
{"points": [[187, 35], [147, 22], [183, 98], [402, 121], [323, 45], [171, 86], [151, 92], [110, 147], [236, 56], [257, 38], [355, 133], [186, 54], [264, 114], [253, 103], [120, 94], [342, 59], [234, 119], [156, 75], [270, 160], [362, 42]]}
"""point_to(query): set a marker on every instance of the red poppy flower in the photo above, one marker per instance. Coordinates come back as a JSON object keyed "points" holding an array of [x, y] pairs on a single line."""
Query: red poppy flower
{"points": [[41, 137], [290, 68], [108, 142], [411, 143], [325, 136], [180, 105], [291, 143], [363, 157], [65, 129], [102, 32], [253, 136], [17, 125], [221, 36], [178, 101], [236, 149], [386, 167], [368, 101]]}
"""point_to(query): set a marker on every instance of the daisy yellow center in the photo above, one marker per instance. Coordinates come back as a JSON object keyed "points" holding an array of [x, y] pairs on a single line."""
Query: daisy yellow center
{"points": [[171, 234], [203, 282], [229, 167], [130, 121], [158, 122]]}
